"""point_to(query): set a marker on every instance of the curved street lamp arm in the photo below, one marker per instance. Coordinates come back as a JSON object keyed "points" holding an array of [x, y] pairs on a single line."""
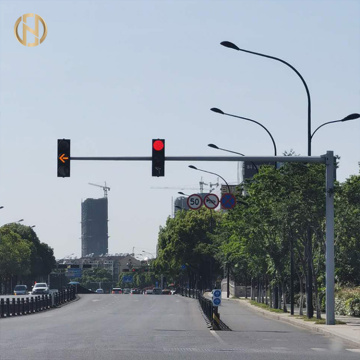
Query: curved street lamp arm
{"points": [[230, 151], [219, 177], [256, 122], [233, 46], [329, 122], [234, 152]]}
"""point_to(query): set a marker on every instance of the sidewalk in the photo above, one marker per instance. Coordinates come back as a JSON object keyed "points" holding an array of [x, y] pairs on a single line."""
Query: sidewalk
{"points": [[231, 314]]}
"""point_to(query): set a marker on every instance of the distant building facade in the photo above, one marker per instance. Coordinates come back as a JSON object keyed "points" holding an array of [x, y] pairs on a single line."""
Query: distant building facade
{"points": [[94, 227], [180, 204], [114, 264]]}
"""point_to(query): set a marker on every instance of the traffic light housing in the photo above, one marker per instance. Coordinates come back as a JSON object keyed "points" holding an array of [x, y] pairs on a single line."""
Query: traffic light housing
{"points": [[158, 157], [63, 158]]}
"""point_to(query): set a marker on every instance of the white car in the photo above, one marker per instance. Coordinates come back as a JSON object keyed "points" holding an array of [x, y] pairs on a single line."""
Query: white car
{"points": [[40, 288]]}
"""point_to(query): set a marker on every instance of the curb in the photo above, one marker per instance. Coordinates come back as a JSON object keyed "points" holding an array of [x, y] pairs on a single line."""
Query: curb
{"points": [[298, 322]]}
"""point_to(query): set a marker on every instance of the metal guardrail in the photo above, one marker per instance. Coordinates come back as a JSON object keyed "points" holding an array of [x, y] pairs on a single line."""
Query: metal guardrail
{"points": [[24, 306], [209, 310]]}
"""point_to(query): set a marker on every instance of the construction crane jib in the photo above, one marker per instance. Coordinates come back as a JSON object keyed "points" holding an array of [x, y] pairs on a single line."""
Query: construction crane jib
{"points": [[105, 188]]}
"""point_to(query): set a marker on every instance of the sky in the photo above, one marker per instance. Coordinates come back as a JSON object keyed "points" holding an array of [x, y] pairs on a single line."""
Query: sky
{"points": [[113, 75]]}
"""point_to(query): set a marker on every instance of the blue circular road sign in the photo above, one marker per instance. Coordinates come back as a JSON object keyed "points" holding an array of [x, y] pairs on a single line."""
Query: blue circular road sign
{"points": [[217, 301], [217, 294], [228, 201]]}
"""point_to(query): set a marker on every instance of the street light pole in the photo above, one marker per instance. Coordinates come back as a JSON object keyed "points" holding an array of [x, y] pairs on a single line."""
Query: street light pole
{"points": [[217, 110], [228, 268], [233, 152], [346, 118], [209, 172], [230, 45], [181, 193]]}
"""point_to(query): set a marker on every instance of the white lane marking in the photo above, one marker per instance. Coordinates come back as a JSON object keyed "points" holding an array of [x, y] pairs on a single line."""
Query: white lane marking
{"points": [[318, 349], [96, 300], [221, 341], [279, 348], [353, 350]]}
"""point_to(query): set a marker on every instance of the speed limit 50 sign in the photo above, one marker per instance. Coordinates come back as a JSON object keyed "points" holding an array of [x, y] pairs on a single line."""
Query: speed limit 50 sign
{"points": [[194, 201]]}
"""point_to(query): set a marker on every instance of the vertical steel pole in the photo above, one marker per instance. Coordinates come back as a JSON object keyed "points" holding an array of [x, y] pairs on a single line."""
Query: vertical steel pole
{"points": [[330, 266], [228, 281], [292, 276]]}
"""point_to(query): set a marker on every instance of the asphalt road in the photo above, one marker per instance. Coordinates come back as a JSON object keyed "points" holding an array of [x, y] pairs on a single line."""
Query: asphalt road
{"points": [[99, 327]]}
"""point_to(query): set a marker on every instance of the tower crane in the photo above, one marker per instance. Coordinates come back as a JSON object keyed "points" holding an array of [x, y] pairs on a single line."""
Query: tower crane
{"points": [[105, 188], [201, 185]]}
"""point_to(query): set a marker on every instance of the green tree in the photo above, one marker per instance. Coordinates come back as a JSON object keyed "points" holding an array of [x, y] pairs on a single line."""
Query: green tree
{"points": [[187, 241], [347, 234], [14, 257]]}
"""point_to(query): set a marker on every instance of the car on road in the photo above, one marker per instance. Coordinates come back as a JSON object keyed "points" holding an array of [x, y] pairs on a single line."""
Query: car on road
{"points": [[99, 291], [134, 291], [157, 291], [148, 292], [40, 288], [126, 291], [166, 292], [20, 290], [116, 291]]}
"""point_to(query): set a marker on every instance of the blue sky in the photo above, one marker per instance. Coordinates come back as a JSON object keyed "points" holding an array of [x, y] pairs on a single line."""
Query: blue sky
{"points": [[112, 75]]}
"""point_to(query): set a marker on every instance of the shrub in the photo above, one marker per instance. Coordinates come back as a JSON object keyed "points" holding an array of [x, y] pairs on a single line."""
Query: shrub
{"points": [[347, 301]]}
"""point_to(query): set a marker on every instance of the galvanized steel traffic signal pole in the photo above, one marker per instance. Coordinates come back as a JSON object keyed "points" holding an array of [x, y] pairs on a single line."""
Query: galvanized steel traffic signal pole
{"points": [[327, 159]]}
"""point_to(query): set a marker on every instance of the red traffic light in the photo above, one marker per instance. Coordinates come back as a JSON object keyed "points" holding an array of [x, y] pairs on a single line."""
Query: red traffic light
{"points": [[158, 157], [158, 145]]}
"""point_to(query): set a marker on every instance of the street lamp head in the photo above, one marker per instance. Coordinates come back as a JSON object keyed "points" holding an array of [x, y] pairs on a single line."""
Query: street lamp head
{"points": [[213, 146], [217, 111], [351, 117], [192, 167], [181, 193], [20, 220], [229, 44]]}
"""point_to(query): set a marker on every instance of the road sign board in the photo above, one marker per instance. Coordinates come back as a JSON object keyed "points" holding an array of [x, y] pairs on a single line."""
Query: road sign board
{"points": [[194, 201], [211, 201], [73, 273], [216, 301], [228, 201], [128, 278], [216, 297], [217, 293]]}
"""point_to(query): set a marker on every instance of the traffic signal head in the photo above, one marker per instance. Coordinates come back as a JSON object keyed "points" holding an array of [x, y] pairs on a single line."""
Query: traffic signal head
{"points": [[158, 157], [63, 158]]}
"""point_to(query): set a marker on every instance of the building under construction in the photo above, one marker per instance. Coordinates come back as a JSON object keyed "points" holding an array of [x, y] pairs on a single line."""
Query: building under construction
{"points": [[94, 227]]}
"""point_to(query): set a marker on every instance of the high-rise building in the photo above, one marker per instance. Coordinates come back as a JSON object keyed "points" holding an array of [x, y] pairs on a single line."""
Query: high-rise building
{"points": [[94, 227]]}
